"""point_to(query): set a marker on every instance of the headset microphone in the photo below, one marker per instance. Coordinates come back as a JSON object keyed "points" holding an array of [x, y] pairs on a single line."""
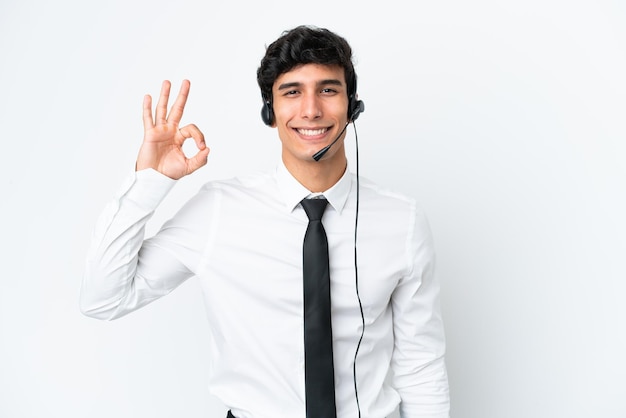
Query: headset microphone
{"points": [[359, 107], [319, 154]]}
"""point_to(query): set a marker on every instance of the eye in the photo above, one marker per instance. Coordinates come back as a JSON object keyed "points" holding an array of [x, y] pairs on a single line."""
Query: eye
{"points": [[291, 92], [329, 90]]}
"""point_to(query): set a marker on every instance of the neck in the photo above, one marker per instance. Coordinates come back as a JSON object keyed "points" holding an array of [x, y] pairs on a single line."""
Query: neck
{"points": [[318, 176]]}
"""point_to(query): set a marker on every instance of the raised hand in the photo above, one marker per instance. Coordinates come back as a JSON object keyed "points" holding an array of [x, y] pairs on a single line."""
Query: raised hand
{"points": [[163, 137]]}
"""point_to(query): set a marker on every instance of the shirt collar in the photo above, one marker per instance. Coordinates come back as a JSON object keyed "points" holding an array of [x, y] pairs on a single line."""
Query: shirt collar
{"points": [[292, 192]]}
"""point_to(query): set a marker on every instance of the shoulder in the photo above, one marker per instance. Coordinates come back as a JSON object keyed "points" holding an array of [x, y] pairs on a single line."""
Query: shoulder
{"points": [[390, 208], [378, 197], [230, 196], [246, 183]]}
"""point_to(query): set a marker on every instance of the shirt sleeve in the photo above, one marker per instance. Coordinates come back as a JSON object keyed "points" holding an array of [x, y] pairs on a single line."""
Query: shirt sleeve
{"points": [[122, 272], [419, 371]]}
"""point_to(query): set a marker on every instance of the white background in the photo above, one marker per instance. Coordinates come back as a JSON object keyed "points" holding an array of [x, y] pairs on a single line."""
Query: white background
{"points": [[505, 119]]}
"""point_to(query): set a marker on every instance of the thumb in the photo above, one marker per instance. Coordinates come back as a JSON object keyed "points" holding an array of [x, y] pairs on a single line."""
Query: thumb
{"points": [[198, 160]]}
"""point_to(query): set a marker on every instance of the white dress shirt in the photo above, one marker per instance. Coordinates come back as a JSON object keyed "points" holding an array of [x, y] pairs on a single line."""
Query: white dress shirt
{"points": [[242, 238]]}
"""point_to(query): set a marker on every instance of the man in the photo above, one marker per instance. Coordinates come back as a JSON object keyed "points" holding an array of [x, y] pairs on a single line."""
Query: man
{"points": [[243, 239]]}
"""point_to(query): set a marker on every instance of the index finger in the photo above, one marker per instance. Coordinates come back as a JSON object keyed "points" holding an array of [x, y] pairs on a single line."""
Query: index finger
{"points": [[176, 112]]}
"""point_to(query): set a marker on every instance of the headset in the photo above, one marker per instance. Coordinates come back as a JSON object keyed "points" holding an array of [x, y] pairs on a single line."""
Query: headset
{"points": [[355, 108]]}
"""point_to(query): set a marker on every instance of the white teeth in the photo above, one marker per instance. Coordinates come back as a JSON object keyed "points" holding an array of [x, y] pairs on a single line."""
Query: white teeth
{"points": [[311, 132]]}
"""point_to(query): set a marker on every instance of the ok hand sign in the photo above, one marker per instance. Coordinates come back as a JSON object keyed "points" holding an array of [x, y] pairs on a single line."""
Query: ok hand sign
{"points": [[163, 138]]}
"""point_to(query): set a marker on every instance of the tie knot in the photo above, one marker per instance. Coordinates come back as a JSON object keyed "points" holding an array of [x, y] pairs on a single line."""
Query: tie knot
{"points": [[314, 208]]}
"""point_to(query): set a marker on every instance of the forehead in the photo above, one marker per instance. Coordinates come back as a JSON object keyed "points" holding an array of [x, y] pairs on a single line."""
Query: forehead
{"points": [[311, 74]]}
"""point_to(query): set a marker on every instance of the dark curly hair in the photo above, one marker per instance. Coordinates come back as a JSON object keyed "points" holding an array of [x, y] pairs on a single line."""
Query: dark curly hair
{"points": [[305, 45]]}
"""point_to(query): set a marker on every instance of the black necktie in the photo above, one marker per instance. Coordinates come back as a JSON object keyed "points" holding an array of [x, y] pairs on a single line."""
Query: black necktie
{"points": [[318, 338]]}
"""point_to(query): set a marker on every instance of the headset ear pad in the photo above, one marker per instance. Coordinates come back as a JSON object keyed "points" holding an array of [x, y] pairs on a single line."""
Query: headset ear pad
{"points": [[267, 114], [355, 108]]}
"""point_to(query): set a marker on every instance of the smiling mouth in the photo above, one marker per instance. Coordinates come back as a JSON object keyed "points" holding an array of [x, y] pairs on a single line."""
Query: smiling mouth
{"points": [[312, 132]]}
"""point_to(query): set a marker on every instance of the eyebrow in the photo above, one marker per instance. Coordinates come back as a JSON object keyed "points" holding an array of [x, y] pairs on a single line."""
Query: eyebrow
{"points": [[332, 81]]}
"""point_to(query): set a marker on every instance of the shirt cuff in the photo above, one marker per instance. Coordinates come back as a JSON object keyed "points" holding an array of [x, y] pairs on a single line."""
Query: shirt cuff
{"points": [[147, 188]]}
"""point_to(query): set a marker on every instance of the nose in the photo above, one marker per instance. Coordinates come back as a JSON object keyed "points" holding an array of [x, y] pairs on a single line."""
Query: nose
{"points": [[311, 107]]}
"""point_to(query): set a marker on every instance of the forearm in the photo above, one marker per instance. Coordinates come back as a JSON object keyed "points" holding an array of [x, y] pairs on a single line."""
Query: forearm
{"points": [[425, 393], [418, 362], [110, 276]]}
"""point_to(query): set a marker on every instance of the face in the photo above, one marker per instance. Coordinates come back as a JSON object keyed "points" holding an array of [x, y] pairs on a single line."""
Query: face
{"points": [[310, 106]]}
